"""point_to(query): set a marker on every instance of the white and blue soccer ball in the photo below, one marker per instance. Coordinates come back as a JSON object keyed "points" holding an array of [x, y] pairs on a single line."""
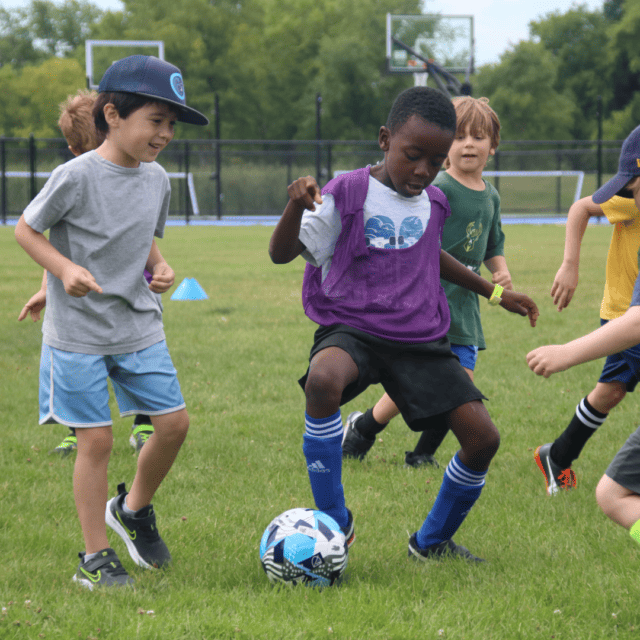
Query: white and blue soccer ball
{"points": [[304, 546]]}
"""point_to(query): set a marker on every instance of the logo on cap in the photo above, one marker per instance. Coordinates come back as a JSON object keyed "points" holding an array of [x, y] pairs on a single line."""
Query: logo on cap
{"points": [[177, 85]]}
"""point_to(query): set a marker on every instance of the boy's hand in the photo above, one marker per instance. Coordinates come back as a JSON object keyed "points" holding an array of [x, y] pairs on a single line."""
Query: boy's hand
{"points": [[564, 285], [503, 278], [78, 281], [521, 304], [34, 306], [305, 192], [550, 359], [163, 278]]}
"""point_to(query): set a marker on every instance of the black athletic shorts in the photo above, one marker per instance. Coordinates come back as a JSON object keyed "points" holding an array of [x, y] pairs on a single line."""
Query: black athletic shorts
{"points": [[423, 379]]}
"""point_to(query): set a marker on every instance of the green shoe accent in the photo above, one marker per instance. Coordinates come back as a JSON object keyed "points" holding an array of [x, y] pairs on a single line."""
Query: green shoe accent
{"points": [[634, 532], [140, 433], [67, 446]]}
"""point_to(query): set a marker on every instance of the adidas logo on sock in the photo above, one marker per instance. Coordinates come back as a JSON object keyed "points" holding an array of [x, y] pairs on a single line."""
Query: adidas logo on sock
{"points": [[317, 467]]}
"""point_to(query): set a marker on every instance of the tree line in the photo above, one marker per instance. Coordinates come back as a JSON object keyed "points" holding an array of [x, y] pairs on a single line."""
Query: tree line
{"points": [[268, 59]]}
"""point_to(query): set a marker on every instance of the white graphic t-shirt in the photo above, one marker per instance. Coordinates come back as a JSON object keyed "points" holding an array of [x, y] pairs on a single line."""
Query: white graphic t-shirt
{"points": [[391, 221]]}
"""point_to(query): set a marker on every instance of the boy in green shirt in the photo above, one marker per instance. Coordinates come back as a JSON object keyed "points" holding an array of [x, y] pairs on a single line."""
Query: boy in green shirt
{"points": [[472, 234]]}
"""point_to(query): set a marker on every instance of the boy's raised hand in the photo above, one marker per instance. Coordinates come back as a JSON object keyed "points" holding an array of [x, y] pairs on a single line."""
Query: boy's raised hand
{"points": [[34, 306], [163, 278], [305, 192], [550, 359], [521, 304], [78, 281], [564, 285]]}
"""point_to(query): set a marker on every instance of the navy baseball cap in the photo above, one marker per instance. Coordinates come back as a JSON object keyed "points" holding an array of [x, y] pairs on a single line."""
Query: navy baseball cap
{"points": [[149, 76], [628, 168]]}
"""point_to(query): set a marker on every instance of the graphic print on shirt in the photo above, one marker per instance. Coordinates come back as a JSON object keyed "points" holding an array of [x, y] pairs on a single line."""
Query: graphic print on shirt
{"points": [[380, 232], [472, 235]]}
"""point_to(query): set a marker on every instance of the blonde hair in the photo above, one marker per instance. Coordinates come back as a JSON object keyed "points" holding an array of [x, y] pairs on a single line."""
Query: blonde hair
{"points": [[481, 119], [76, 121]]}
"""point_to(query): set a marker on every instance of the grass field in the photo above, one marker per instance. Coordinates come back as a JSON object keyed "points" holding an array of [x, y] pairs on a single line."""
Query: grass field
{"points": [[557, 568]]}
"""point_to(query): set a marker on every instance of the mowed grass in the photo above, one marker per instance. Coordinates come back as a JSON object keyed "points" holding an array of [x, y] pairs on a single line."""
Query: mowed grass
{"points": [[557, 568]]}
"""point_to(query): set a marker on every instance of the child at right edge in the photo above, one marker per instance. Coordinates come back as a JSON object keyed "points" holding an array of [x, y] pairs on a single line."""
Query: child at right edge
{"points": [[383, 315]]}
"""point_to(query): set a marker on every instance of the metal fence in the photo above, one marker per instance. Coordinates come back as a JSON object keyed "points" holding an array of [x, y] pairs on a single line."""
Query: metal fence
{"points": [[249, 177]]}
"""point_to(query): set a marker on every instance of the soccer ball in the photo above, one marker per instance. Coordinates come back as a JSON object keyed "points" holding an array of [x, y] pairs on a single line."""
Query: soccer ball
{"points": [[304, 546]]}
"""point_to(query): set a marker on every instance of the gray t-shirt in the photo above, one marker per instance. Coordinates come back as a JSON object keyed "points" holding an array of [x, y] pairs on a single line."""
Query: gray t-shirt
{"points": [[103, 217]]}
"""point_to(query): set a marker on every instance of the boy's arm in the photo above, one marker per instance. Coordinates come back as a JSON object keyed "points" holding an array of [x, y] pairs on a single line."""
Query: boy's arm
{"points": [[613, 337], [456, 272], [77, 280], [163, 275], [36, 302], [285, 244], [566, 280], [497, 266]]}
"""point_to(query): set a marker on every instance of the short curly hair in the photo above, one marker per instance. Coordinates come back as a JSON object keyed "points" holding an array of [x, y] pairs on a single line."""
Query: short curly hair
{"points": [[76, 121], [430, 104]]}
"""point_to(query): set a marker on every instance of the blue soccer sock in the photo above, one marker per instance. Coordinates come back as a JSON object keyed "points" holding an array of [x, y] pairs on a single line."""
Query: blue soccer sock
{"points": [[460, 489], [322, 448]]}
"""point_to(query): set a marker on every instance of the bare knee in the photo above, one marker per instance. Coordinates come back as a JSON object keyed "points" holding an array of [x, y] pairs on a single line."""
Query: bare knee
{"points": [[323, 391], [605, 497], [95, 443], [607, 395], [172, 427]]}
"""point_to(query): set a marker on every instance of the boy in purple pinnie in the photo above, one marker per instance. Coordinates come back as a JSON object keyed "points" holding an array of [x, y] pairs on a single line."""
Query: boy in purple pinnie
{"points": [[372, 283]]}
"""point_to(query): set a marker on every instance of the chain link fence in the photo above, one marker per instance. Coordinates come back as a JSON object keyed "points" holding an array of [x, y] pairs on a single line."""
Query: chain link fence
{"points": [[223, 178]]}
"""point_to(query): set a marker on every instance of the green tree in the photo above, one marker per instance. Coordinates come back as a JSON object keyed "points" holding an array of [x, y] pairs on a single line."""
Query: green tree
{"points": [[27, 108], [522, 90], [44, 29]]}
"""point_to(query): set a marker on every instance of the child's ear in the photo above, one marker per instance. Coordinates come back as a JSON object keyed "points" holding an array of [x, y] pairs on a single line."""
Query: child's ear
{"points": [[383, 138], [111, 114], [492, 151]]}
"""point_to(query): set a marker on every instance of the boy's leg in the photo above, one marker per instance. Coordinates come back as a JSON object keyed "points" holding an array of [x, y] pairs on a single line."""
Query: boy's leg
{"points": [[432, 437], [90, 487], [618, 492], [362, 428], [330, 371], [462, 483], [555, 459], [157, 457], [618, 503]]}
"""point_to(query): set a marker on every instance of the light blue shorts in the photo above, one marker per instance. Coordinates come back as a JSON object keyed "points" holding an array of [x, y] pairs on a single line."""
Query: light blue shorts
{"points": [[468, 354], [74, 390]]}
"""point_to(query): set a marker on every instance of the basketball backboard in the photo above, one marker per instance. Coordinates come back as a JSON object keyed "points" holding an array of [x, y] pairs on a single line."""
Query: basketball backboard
{"points": [[108, 51], [447, 40]]}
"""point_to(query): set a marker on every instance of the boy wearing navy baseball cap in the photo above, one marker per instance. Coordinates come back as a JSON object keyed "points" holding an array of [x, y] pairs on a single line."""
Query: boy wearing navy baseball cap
{"points": [[102, 210], [621, 371]]}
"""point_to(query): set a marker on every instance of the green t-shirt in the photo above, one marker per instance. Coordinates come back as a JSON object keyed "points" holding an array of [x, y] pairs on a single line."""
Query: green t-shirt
{"points": [[472, 234]]}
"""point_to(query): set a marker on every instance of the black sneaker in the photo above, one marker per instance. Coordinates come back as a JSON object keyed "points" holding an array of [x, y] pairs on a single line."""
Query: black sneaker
{"points": [[416, 460], [103, 570], [355, 445], [555, 476], [139, 532], [443, 549], [349, 531]]}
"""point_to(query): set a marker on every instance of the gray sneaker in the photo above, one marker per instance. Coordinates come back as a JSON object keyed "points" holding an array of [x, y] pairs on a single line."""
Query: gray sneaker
{"points": [[139, 532], [355, 445], [103, 570], [412, 459]]}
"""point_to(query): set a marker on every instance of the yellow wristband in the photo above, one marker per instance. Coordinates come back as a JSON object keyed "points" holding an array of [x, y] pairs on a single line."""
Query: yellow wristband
{"points": [[496, 298], [635, 532]]}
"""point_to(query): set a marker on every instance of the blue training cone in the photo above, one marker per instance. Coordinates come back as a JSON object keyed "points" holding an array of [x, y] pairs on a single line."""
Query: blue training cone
{"points": [[189, 289]]}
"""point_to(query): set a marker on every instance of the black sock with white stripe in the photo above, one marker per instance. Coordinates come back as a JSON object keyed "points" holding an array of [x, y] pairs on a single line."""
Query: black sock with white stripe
{"points": [[583, 425]]}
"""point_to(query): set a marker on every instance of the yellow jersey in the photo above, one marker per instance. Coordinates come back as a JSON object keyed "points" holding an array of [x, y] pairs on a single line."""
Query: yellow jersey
{"points": [[622, 259]]}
